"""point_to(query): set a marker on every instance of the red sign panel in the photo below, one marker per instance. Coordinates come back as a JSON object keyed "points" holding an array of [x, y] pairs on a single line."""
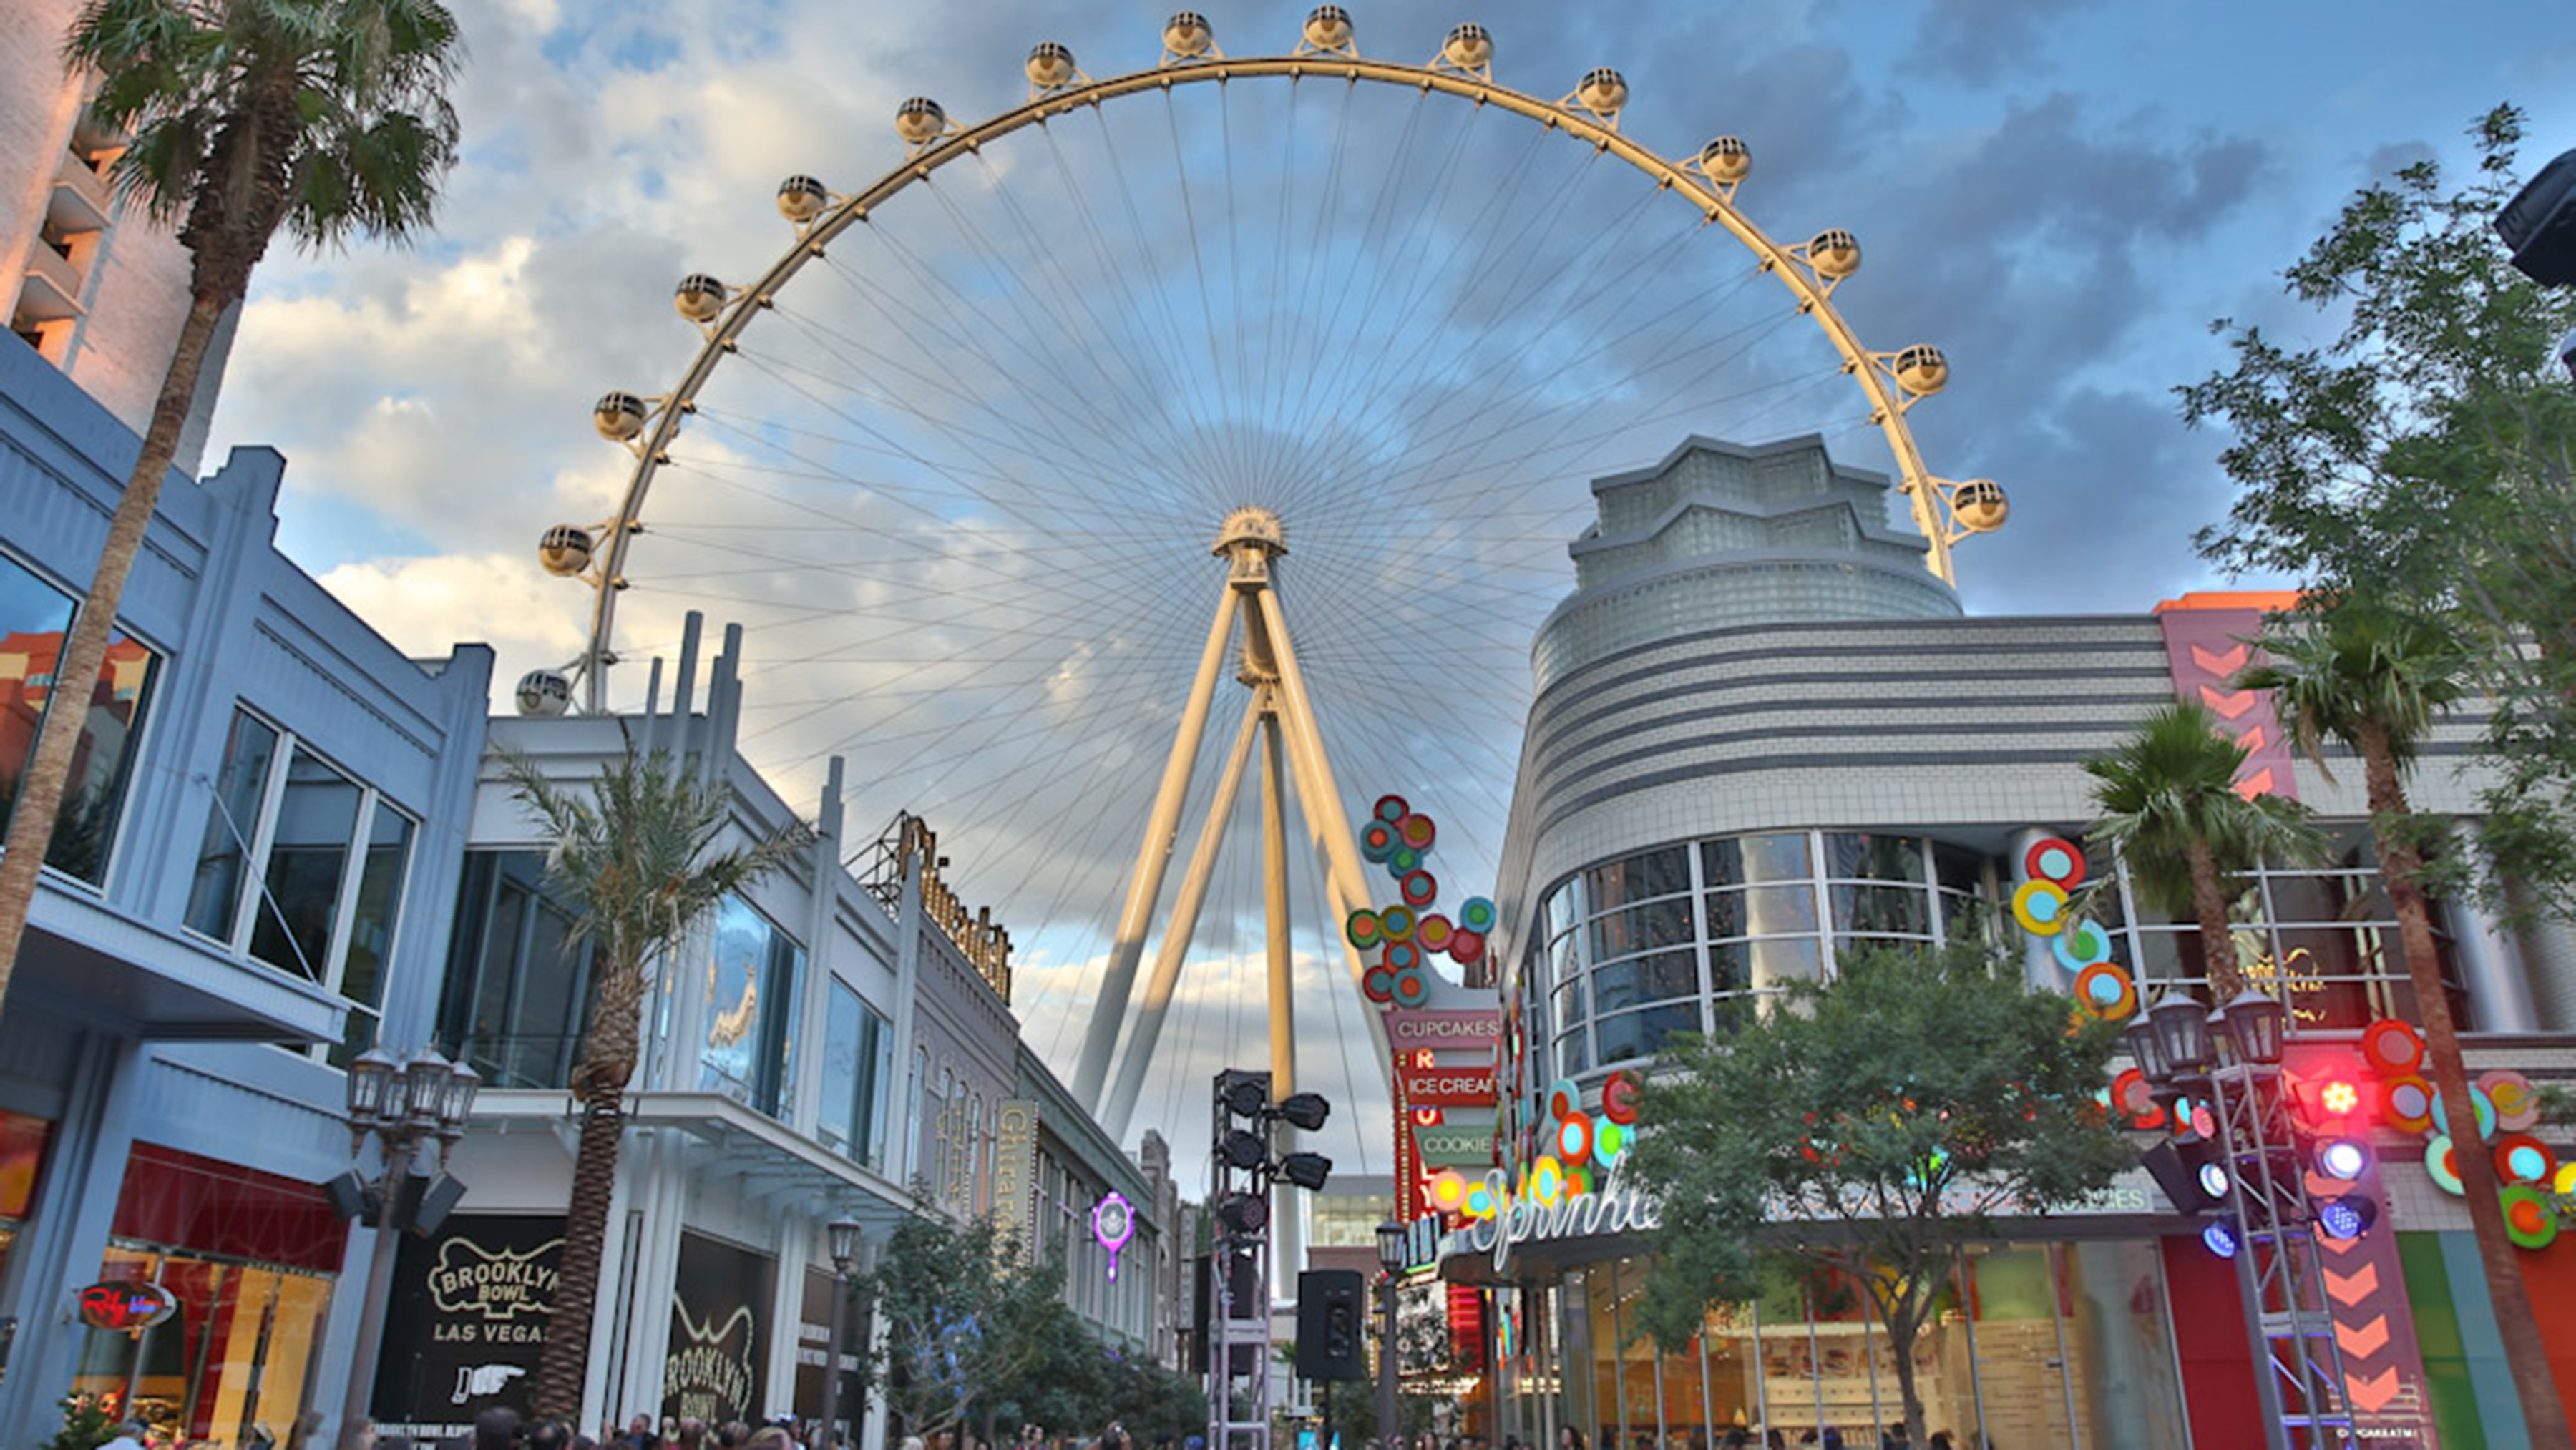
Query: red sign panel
{"points": [[123, 1305], [1448, 1087]]}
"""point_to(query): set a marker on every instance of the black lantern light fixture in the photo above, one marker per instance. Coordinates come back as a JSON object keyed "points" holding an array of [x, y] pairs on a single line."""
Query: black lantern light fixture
{"points": [[2255, 1021], [370, 1078], [2149, 1051], [842, 1234], [2183, 1032], [1391, 1246]]}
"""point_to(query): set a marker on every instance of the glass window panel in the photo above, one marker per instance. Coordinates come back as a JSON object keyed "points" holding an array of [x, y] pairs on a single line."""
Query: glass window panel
{"points": [[1855, 855], [1569, 1002], [1566, 956], [1638, 878], [774, 1087], [371, 926], [836, 1116], [1754, 859], [1958, 868], [1762, 911], [1787, 959], [2348, 898], [1642, 1034], [317, 819], [1573, 1054], [876, 1075], [1642, 928], [1561, 910], [35, 621], [1881, 910], [214, 898], [1640, 980], [728, 1055], [1972, 918]]}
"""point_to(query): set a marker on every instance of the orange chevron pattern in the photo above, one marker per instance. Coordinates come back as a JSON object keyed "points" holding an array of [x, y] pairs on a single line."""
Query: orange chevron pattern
{"points": [[2255, 784], [2230, 704], [2373, 1393], [2222, 663], [2366, 1341], [2354, 1287]]}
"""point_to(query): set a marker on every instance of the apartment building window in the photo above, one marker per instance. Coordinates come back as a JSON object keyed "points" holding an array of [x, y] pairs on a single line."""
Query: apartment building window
{"points": [[518, 989], [302, 867], [35, 624]]}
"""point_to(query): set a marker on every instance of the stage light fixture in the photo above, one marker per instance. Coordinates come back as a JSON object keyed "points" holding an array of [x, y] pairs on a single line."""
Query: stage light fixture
{"points": [[1306, 1170], [1244, 1149], [2220, 1239], [1305, 1111]]}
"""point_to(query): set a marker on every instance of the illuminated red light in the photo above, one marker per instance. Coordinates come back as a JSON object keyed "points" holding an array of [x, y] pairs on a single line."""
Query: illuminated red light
{"points": [[2339, 1097]]}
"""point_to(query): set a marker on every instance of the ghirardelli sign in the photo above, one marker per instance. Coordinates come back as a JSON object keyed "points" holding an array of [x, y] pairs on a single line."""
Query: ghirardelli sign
{"points": [[472, 1282]]}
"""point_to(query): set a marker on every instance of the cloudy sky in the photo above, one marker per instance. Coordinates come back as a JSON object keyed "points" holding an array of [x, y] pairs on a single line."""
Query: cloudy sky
{"points": [[2061, 195]]}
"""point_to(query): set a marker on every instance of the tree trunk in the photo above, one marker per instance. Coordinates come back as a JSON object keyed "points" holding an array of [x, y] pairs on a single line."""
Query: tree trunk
{"points": [[2543, 1412], [2217, 943], [560, 1370], [40, 791]]}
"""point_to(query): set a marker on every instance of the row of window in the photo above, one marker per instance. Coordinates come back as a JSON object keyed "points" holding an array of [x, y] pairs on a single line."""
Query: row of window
{"points": [[1686, 938]]}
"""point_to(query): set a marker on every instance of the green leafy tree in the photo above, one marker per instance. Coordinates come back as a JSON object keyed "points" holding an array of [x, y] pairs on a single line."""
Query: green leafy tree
{"points": [[2375, 681], [2171, 811], [1870, 1125], [634, 852], [966, 1321], [2425, 458], [86, 1425], [322, 118]]}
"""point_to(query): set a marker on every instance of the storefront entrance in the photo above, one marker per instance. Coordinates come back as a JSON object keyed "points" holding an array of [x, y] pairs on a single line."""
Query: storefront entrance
{"points": [[250, 1259]]}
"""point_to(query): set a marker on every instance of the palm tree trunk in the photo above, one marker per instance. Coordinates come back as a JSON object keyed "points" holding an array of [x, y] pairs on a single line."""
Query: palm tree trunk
{"points": [[40, 793], [566, 1360], [2401, 867], [2217, 943]]}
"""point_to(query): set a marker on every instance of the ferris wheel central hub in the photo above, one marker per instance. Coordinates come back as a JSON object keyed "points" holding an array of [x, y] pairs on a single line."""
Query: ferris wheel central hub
{"points": [[1253, 528]]}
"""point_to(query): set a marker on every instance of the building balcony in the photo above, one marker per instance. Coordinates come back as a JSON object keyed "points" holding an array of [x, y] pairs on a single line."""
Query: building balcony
{"points": [[81, 200], [53, 287]]}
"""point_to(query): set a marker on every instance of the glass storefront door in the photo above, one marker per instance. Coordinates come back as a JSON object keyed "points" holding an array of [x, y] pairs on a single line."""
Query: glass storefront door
{"points": [[231, 1368]]}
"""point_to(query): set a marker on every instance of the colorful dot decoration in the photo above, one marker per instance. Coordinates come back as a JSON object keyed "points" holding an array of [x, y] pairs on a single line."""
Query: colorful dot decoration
{"points": [[2040, 907], [2506, 1107], [2439, 1163], [2530, 1220], [2392, 1046], [2522, 1158], [2516, 1102], [1476, 914], [1619, 1096], [1434, 932], [2054, 860], [2106, 991]]}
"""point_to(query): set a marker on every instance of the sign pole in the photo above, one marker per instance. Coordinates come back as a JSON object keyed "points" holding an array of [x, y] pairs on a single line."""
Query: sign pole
{"points": [[371, 1319]]}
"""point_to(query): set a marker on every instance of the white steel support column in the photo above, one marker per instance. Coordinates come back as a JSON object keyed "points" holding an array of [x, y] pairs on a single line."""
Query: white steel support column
{"points": [[1091, 1074], [1176, 936], [1316, 789], [1287, 1231]]}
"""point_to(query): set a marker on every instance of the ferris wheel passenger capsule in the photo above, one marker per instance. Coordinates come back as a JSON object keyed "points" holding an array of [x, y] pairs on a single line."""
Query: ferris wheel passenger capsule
{"points": [[1469, 47], [1328, 27], [1834, 253], [1920, 369], [1979, 505], [1727, 160], [544, 694], [1602, 91], [1050, 65], [619, 417], [919, 121], [802, 198], [700, 297], [1187, 34], [565, 550]]}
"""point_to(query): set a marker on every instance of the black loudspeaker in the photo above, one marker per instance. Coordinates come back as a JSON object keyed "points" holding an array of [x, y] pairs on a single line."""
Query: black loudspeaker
{"points": [[1329, 1343], [1198, 1341], [437, 1201], [349, 1196]]}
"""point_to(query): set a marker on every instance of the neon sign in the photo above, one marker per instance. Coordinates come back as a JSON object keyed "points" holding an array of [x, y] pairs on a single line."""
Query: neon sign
{"points": [[1113, 1223], [123, 1304]]}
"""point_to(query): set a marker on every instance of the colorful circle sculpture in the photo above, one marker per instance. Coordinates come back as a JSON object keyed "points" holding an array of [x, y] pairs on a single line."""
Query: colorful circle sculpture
{"points": [[1611, 1143], [1480, 1202], [1578, 1182], [1547, 1181], [1396, 923], [2530, 1220], [1563, 1098], [1434, 932], [2407, 1103], [1378, 984], [2106, 991], [2522, 1158], [1619, 1096], [1448, 1191], [2517, 1106], [1574, 1139], [1377, 841], [1402, 861], [2081, 945], [1418, 831], [1362, 929], [1412, 988], [2131, 1098], [2564, 1182], [2482, 1106], [1466, 946], [2439, 1162], [1403, 956], [1476, 914], [1391, 809], [2056, 861], [1420, 888], [2040, 907], [2392, 1046]]}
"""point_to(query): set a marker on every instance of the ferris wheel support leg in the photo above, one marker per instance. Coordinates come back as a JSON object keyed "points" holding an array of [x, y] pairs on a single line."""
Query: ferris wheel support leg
{"points": [[1283, 1014], [1316, 789], [1153, 855], [1168, 958]]}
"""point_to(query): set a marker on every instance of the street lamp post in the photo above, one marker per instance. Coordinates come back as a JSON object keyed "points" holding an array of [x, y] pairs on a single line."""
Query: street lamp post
{"points": [[401, 1106], [2233, 1057], [1390, 1258], [844, 1244]]}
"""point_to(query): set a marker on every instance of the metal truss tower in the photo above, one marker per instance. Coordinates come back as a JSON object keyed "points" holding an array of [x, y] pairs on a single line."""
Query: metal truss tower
{"points": [[2278, 1276]]}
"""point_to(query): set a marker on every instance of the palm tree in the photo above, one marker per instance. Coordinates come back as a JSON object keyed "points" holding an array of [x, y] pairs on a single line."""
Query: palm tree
{"points": [[635, 855], [2171, 810], [323, 117], [2374, 680]]}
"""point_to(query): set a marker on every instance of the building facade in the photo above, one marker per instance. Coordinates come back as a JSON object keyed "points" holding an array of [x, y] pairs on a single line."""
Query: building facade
{"points": [[1801, 758], [250, 882]]}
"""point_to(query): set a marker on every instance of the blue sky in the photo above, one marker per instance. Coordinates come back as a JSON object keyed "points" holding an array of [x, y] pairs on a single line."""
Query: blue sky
{"points": [[2061, 195]]}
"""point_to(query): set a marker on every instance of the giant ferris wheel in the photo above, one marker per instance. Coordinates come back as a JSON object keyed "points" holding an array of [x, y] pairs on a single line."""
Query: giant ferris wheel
{"points": [[958, 457]]}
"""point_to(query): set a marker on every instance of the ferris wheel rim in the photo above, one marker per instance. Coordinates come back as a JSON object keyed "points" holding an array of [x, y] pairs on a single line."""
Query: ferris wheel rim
{"points": [[1927, 495]]}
